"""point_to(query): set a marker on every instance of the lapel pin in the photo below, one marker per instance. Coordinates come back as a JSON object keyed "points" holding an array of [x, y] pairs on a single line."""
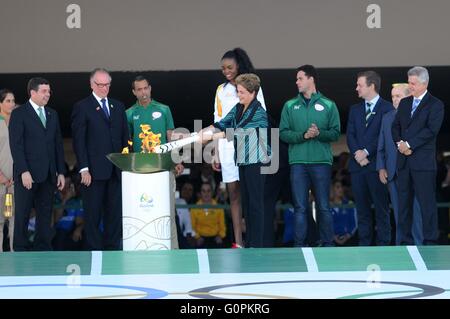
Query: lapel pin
{"points": [[98, 108], [112, 106]]}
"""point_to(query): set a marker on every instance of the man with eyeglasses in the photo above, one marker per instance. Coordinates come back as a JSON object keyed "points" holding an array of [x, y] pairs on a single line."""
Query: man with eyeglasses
{"points": [[99, 127]]}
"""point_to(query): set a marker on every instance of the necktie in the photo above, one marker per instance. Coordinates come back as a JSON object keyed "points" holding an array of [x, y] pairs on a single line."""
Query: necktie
{"points": [[415, 105], [41, 116], [368, 112], [105, 107]]}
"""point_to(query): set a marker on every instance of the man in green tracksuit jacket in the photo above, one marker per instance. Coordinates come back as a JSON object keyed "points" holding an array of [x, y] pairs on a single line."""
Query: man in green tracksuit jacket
{"points": [[309, 123]]}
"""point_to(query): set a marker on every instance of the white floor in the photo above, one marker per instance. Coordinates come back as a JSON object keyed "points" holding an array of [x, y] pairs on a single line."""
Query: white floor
{"points": [[331, 285]]}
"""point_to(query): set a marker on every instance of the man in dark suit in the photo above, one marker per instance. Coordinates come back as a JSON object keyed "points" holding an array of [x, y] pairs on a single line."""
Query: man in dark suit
{"points": [[387, 164], [38, 156], [415, 129], [99, 127], [363, 129]]}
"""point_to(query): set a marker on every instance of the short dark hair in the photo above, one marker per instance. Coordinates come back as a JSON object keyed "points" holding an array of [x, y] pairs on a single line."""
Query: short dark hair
{"points": [[4, 93], [139, 78], [310, 71], [34, 83], [372, 77]]}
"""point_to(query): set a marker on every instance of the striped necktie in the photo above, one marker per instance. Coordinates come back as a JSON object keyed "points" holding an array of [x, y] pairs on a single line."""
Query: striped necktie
{"points": [[368, 112]]}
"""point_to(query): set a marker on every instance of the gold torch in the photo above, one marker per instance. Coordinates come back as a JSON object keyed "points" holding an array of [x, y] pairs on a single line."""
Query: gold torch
{"points": [[8, 212]]}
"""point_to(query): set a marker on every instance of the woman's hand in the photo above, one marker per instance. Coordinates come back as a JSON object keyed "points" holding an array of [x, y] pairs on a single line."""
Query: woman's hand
{"points": [[215, 163], [206, 135], [4, 180], [179, 168]]}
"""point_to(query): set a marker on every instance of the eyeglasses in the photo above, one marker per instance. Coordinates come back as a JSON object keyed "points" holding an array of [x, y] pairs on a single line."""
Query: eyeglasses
{"points": [[102, 85]]}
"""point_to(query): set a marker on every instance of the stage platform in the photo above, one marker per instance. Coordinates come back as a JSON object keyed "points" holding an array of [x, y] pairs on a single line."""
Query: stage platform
{"points": [[276, 273]]}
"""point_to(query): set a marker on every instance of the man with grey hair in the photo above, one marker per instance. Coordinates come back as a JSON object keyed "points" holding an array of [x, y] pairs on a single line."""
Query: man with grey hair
{"points": [[387, 164], [100, 127], [414, 130], [398, 92]]}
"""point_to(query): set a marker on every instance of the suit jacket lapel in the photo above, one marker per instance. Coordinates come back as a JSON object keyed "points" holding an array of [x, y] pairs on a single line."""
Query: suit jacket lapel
{"points": [[49, 118], [34, 115], [112, 111], [421, 105], [98, 109]]}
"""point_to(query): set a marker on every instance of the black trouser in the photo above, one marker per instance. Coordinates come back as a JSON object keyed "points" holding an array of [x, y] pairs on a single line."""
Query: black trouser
{"points": [[368, 189], [102, 201], [40, 196], [62, 241], [421, 184], [210, 242], [273, 185], [252, 196]]}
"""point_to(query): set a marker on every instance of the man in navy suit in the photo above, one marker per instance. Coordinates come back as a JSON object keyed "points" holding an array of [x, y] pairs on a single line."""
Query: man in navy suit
{"points": [[99, 127], [415, 129], [387, 164], [363, 129], [38, 155]]}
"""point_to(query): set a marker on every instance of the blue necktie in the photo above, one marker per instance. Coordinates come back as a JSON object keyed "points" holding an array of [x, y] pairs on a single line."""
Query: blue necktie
{"points": [[415, 105], [105, 107], [368, 112]]}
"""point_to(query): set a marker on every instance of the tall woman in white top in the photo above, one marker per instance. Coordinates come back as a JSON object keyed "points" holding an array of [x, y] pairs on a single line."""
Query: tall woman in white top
{"points": [[7, 104], [234, 63]]}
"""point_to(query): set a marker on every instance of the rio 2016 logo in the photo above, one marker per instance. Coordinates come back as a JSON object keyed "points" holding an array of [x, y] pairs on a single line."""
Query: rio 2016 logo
{"points": [[146, 201]]}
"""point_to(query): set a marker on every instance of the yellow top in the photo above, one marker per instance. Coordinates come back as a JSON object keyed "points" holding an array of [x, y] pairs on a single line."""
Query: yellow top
{"points": [[208, 222]]}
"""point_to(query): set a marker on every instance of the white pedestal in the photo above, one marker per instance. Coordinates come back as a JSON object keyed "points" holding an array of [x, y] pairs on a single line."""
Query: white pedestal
{"points": [[148, 204]]}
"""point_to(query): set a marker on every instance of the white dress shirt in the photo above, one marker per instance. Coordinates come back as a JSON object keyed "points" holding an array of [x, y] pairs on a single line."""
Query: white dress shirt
{"points": [[36, 109]]}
